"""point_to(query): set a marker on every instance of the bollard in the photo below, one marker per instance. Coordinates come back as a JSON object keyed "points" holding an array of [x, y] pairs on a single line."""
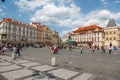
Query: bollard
{"points": [[53, 61], [13, 56]]}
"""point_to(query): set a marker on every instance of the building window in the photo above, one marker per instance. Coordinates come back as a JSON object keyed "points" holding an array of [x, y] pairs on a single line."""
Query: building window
{"points": [[3, 24], [9, 26], [110, 38], [114, 38], [106, 38], [114, 32], [110, 32], [106, 33]]}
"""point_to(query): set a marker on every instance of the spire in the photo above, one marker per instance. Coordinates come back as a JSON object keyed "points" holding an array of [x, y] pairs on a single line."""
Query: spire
{"points": [[111, 23]]}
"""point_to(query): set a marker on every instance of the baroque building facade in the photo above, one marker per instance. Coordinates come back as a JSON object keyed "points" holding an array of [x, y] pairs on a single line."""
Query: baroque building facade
{"points": [[55, 38], [16, 32], [112, 34], [95, 35], [45, 35], [88, 36]]}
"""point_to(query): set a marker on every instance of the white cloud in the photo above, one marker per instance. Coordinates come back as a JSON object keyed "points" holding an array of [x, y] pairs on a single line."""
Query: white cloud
{"points": [[117, 16], [1, 11], [71, 17], [92, 21], [117, 1], [78, 23], [28, 5], [19, 15], [103, 0], [101, 14], [64, 32], [31, 5], [57, 13], [104, 3], [2, 6], [99, 17]]}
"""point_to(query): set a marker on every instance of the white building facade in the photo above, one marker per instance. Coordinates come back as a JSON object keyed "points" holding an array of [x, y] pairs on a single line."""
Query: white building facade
{"points": [[15, 32], [89, 36]]}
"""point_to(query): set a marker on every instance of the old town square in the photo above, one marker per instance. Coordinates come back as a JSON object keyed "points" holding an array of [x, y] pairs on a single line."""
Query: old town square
{"points": [[59, 39], [70, 65]]}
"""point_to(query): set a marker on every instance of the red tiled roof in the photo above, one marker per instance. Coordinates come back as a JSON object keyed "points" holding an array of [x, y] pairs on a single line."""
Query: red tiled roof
{"points": [[43, 27], [7, 20], [13, 21], [87, 28]]}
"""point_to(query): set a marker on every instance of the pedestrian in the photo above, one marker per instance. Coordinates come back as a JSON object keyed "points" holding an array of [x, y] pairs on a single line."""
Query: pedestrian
{"points": [[110, 49], [93, 49], [18, 51], [14, 52], [103, 49], [115, 50], [81, 50], [70, 48], [56, 50], [52, 49], [2, 50], [98, 47]]}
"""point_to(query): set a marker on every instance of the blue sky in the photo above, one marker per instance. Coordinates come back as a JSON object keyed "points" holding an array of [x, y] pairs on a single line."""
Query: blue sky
{"points": [[62, 15]]}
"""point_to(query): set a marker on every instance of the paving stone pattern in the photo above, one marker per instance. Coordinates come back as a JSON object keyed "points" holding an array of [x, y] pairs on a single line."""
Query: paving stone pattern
{"points": [[63, 73], [27, 70]]}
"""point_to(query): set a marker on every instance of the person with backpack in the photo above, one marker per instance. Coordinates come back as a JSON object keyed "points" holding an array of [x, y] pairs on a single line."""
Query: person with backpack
{"points": [[56, 50]]}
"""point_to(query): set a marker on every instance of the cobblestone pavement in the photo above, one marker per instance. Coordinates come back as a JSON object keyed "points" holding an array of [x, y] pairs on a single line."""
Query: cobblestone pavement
{"points": [[35, 64], [20, 69]]}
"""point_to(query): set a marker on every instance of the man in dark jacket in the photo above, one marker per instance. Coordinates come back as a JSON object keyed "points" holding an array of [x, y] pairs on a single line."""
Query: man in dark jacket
{"points": [[18, 50]]}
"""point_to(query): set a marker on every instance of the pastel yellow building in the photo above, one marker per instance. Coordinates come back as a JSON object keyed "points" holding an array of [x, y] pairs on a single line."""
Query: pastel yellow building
{"points": [[45, 35], [112, 34]]}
